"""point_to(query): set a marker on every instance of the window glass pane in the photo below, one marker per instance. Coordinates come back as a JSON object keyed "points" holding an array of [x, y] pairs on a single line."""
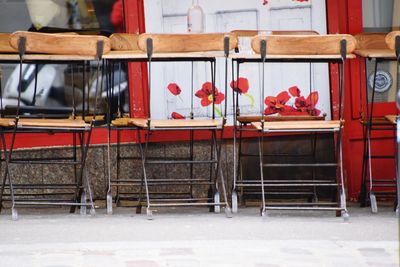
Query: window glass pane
{"points": [[54, 80], [381, 16]]}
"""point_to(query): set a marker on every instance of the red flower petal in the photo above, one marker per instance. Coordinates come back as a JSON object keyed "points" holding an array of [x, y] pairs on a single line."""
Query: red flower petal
{"points": [[312, 99], [283, 97], [242, 85], [177, 116], [205, 102], [265, 2], [219, 98], [201, 94], [300, 102], [294, 91], [269, 111], [207, 88], [174, 89], [270, 101]]}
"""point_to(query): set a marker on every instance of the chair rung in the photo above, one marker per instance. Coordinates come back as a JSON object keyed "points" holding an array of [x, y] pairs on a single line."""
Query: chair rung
{"points": [[180, 162], [51, 203], [186, 204], [300, 164], [303, 208], [289, 184]]}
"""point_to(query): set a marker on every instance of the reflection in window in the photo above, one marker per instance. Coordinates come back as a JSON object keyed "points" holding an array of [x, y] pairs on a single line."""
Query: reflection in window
{"points": [[381, 16], [54, 80]]}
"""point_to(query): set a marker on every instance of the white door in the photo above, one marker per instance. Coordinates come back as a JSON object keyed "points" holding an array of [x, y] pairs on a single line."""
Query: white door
{"points": [[169, 16]]}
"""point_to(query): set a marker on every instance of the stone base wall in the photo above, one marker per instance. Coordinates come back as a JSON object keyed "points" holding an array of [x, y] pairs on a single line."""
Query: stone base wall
{"points": [[300, 146]]}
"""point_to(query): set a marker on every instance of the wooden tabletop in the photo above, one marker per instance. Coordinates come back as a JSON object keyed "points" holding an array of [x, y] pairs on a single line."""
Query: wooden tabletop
{"points": [[375, 53]]}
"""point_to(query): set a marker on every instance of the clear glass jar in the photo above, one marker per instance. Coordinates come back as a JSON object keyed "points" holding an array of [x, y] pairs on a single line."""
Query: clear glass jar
{"points": [[195, 18]]}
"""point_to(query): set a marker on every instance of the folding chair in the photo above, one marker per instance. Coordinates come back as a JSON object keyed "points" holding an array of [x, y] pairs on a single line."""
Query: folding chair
{"points": [[186, 47], [372, 47], [55, 48], [119, 121], [239, 188], [393, 41], [299, 48]]}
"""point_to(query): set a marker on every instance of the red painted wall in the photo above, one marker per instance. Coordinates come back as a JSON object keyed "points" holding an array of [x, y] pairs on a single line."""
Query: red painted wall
{"points": [[345, 16]]}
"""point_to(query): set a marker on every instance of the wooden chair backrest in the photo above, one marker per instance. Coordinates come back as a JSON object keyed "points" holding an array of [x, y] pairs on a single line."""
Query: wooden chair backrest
{"points": [[60, 44], [252, 33], [124, 42], [5, 46], [304, 44], [202, 42], [371, 40], [391, 39]]}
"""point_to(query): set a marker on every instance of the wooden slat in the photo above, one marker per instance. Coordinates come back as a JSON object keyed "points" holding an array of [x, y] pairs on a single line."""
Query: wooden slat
{"points": [[124, 42], [255, 118], [60, 44], [7, 122], [391, 39], [304, 44], [252, 33], [378, 121], [375, 53], [121, 122], [143, 123], [298, 125], [66, 123], [391, 118], [371, 40], [187, 42], [5, 46]]}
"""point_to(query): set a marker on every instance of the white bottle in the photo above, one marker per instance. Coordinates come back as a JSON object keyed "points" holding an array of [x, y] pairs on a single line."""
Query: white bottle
{"points": [[195, 18]]}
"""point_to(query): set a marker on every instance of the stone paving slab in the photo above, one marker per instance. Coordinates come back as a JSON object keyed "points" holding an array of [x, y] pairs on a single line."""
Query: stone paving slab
{"points": [[195, 237], [258, 253]]}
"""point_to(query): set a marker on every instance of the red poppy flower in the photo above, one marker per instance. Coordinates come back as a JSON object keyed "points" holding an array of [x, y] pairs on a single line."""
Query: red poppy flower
{"points": [[277, 104], [205, 93], [242, 85], [174, 89], [294, 91], [265, 2], [177, 116], [307, 105]]}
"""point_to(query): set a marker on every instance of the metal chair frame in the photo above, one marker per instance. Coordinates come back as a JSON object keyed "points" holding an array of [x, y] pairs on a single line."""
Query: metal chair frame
{"points": [[216, 175], [312, 184], [369, 124], [81, 134]]}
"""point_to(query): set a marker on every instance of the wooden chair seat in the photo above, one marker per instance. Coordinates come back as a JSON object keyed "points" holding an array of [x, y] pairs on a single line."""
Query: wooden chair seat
{"points": [[121, 122], [7, 122], [53, 123], [304, 44], [391, 118], [378, 121], [391, 39], [257, 118], [298, 125], [5, 46], [124, 42], [60, 44], [143, 123], [167, 43]]}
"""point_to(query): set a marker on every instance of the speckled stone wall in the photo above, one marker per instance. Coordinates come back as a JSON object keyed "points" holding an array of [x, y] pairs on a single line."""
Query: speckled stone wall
{"points": [[131, 168]]}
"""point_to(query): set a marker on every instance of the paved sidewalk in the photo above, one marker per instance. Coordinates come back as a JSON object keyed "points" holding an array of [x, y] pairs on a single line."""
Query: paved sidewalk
{"points": [[54, 238]]}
